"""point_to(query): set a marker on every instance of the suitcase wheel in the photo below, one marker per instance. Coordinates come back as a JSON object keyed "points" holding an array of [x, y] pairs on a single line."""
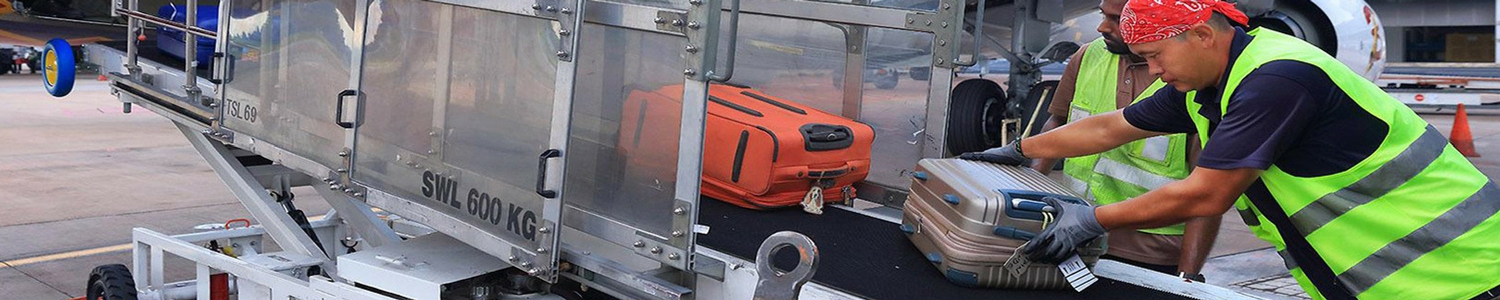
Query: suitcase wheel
{"points": [[951, 199], [908, 229], [962, 278], [935, 258]]}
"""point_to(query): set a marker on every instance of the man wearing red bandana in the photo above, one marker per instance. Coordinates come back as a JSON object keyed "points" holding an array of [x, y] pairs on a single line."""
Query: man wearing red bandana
{"points": [[1360, 196]]}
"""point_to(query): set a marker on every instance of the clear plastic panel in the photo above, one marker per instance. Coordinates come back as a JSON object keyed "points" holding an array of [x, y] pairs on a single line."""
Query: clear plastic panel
{"points": [[457, 110], [797, 60], [896, 110], [622, 160], [284, 85]]}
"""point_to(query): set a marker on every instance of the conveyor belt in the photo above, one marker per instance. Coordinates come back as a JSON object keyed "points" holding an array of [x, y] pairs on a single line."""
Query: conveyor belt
{"points": [[147, 50], [868, 256]]}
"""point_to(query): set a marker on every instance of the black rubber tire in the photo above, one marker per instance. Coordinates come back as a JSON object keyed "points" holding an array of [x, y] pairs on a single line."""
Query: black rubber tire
{"points": [[1034, 96], [972, 103], [921, 73], [111, 282], [888, 82], [1315, 27]]}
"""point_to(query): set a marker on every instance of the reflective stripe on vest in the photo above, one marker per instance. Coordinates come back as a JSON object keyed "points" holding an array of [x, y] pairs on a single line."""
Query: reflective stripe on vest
{"points": [[1414, 219], [1127, 173]]}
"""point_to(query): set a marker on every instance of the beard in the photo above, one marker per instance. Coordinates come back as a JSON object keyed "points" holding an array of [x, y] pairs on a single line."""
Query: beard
{"points": [[1115, 45]]}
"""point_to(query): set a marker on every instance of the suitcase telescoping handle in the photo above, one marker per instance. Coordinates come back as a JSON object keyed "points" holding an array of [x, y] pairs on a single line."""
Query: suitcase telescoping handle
{"points": [[1024, 204], [541, 173]]}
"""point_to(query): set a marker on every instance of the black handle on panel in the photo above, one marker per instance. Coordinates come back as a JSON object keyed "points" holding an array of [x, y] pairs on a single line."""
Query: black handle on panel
{"points": [[541, 173], [338, 109]]}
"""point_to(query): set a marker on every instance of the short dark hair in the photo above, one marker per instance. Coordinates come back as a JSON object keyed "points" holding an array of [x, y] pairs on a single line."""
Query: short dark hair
{"points": [[1219, 22]]}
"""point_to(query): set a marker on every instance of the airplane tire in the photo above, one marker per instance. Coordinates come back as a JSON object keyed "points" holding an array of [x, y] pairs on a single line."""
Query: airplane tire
{"points": [[975, 106]]}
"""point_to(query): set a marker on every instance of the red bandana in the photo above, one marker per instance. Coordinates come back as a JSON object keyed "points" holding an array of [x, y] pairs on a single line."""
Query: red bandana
{"points": [[1145, 21]]}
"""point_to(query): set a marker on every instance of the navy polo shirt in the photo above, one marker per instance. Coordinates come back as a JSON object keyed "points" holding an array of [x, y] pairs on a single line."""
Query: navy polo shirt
{"points": [[1285, 113]]}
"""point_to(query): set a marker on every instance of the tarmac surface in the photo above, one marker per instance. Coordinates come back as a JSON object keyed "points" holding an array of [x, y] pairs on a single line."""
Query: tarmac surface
{"points": [[80, 173]]}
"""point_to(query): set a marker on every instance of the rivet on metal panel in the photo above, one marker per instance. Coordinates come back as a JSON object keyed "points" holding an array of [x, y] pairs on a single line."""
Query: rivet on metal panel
{"points": [[359, 195], [689, 72], [551, 8], [334, 187], [543, 230], [346, 191], [639, 244], [691, 49], [562, 54], [541, 250], [655, 250], [945, 24], [566, 11], [911, 20], [536, 6], [693, 25], [526, 264], [677, 23], [659, 20], [942, 42], [533, 271], [341, 170], [679, 211], [947, 5], [677, 233], [343, 153], [512, 258], [673, 256], [564, 33], [929, 22]]}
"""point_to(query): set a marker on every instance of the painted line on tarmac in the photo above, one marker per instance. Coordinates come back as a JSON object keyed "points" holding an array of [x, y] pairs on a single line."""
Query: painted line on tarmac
{"points": [[85, 252], [65, 255]]}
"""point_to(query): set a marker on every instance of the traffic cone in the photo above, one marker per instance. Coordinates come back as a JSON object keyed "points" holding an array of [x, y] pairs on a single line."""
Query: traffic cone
{"points": [[1461, 138]]}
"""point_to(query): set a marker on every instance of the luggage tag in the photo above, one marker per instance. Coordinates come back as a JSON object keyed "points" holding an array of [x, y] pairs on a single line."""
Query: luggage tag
{"points": [[1078, 274], [813, 202], [1017, 263]]}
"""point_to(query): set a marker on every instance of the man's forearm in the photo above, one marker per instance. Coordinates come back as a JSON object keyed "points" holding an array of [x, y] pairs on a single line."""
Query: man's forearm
{"points": [[1088, 136], [1205, 193], [1044, 165], [1197, 242]]}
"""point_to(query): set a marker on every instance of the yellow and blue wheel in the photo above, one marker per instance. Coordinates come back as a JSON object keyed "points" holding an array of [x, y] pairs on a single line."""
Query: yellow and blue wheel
{"points": [[58, 70]]}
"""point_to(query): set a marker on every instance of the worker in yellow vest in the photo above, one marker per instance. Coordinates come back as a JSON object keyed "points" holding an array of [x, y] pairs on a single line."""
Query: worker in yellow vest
{"points": [[1366, 199], [1103, 77]]}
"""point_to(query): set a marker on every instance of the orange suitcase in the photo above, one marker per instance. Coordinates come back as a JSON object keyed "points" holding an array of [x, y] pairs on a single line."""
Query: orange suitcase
{"points": [[759, 151]]}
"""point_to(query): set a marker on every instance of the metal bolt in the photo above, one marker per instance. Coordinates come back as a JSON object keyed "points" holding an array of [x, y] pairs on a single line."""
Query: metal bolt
{"points": [[655, 250], [536, 6], [659, 20], [673, 256], [541, 250], [942, 42], [343, 153], [691, 49], [512, 258], [677, 22], [543, 230], [533, 271], [551, 8], [677, 233], [679, 211], [945, 24], [358, 195], [346, 191], [341, 170], [526, 264], [334, 187], [929, 22], [562, 54], [693, 25], [207, 132], [947, 6], [639, 244], [911, 20], [564, 33], [209, 105], [689, 72], [567, 11]]}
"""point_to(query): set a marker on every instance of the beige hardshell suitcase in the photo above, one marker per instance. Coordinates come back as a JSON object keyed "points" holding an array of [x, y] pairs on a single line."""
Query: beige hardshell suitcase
{"points": [[970, 217]]}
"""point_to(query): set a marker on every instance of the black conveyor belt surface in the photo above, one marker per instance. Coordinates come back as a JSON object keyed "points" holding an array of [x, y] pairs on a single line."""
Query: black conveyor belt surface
{"points": [[147, 51], [868, 256]]}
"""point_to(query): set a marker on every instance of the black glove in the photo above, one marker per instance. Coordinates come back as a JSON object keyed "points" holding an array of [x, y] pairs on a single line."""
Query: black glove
{"points": [[1074, 225], [1010, 154]]}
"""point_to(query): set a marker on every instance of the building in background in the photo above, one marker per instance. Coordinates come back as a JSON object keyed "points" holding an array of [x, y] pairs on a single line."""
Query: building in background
{"points": [[1439, 30]]}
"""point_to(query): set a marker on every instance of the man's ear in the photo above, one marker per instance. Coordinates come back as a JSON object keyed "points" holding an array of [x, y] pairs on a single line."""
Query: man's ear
{"points": [[1202, 35]]}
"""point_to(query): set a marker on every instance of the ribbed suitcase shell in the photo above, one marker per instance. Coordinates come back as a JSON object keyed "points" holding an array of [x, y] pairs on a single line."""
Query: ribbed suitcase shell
{"points": [[959, 238]]}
